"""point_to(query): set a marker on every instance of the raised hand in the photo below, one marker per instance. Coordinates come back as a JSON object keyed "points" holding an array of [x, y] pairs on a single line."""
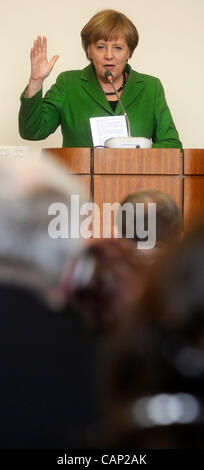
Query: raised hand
{"points": [[40, 67]]}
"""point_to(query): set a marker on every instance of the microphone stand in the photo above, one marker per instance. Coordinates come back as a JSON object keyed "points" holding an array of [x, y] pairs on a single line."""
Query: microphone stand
{"points": [[109, 78], [125, 142]]}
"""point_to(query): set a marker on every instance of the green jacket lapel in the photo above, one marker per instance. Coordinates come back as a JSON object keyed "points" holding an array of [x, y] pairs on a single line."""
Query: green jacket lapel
{"points": [[91, 85], [133, 87]]}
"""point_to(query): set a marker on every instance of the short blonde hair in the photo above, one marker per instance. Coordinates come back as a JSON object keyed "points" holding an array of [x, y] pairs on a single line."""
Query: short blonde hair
{"points": [[107, 25]]}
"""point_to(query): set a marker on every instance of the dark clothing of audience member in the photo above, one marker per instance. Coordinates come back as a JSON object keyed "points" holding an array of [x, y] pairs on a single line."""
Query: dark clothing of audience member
{"points": [[49, 366]]}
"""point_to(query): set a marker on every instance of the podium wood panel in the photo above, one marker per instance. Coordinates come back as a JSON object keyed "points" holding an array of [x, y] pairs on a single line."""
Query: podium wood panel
{"points": [[194, 162], [114, 188], [84, 180], [77, 160], [193, 197], [137, 161], [193, 184]]}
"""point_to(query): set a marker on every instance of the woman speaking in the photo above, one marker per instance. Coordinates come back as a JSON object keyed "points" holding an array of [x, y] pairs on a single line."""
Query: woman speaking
{"points": [[109, 40]]}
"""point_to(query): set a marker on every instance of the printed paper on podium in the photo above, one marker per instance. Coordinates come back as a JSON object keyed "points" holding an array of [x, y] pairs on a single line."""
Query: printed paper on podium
{"points": [[104, 128]]}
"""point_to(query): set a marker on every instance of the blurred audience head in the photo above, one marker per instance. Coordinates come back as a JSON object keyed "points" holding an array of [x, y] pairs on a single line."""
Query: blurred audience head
{"points": [[115, 286], [28, 254], [168, 221]]}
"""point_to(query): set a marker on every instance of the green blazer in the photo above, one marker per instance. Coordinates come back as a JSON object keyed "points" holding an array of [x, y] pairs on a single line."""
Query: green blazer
{"points": [[77, 96]]}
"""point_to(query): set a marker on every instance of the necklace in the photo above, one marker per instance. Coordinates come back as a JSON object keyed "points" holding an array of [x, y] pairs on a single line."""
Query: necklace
{"points": [[119, 89]]}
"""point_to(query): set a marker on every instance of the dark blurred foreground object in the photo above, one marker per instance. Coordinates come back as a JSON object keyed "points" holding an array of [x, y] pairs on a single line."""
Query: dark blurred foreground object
{"points": [[156, 394], [156, 371], [49, 367], [115, 287], [181, 287]]}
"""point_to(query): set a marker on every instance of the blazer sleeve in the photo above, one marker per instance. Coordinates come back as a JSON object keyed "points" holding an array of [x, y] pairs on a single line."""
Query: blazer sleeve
{"points": [[165, 134], [39, 117]]}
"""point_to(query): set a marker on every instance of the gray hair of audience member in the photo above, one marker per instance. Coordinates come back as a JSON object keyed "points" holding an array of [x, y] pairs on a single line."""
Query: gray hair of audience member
{"points": [[28, 254], [168, 220]]}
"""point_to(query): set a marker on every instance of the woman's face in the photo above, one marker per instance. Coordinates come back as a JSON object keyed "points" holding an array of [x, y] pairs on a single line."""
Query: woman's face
{"points": [[109, 55]]}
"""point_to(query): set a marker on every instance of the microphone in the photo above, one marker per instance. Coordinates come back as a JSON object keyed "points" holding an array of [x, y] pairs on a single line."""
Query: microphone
{"points": [[124, 142], [109, 77]]}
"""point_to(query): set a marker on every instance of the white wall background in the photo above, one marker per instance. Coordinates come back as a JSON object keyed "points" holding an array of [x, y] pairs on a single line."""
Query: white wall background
{"points": [[171, 47]]}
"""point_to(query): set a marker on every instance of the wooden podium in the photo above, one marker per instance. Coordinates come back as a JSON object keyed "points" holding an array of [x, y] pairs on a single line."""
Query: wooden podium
{"points": [[193, 199], [111, 174]]}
